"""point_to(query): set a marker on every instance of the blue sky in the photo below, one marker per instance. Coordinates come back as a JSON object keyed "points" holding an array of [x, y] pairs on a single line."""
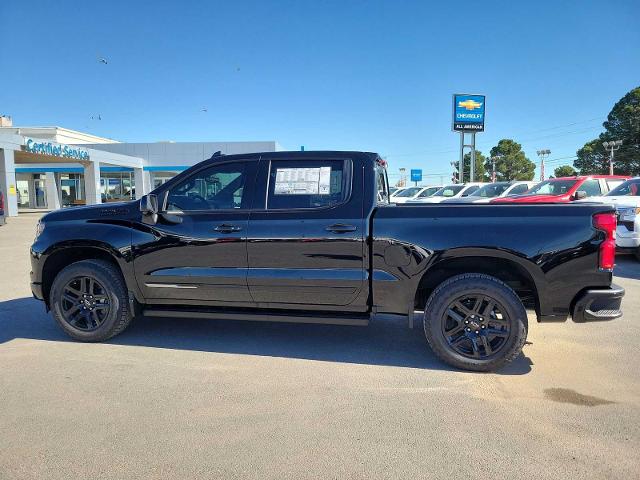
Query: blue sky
{"points": [[358, 75]]}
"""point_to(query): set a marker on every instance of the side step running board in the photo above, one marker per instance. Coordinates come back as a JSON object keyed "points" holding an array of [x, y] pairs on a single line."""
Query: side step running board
{"points": [[359, 321]]}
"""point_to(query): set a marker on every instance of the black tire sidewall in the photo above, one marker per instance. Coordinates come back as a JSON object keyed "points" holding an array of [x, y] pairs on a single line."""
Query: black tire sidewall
{"points": [[114, 291], [458, 286]]}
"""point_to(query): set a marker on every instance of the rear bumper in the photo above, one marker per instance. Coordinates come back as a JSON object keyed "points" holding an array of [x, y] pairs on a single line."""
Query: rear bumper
{"points": [[598, 305]]}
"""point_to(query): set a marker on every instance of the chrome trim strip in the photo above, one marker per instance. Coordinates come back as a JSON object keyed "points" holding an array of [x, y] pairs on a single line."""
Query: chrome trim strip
{"points": [[168, 285]]}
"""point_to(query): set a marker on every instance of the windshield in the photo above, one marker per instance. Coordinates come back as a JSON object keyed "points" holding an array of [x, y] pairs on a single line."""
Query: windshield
{"points": [[630, 188], [552, 187], [409, 192], [449, 191], [491, 190], [427, 192]]}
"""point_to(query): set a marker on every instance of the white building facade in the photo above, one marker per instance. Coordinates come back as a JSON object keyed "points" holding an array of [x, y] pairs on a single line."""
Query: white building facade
{"points": [[53, 167]]}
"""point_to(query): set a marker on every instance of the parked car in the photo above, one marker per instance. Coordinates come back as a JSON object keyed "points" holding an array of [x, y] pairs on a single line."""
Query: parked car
{"points": [[2, 218], [493, 190], [407, 194], [396, 191], [449, 191], [426, 192], [310, 243], [566, 189], [626, 198]]}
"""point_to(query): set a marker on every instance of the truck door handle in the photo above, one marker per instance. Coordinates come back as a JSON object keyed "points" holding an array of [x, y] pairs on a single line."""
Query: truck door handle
{"points": [[226, 228], [341, 228]]}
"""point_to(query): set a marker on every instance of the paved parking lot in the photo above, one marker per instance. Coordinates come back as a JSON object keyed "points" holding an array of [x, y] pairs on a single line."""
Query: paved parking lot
{"points": [[204, 399]]}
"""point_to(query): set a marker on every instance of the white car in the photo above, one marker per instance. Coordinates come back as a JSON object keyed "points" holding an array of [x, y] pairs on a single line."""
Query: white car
{"points": [[411, 193], [626, 198], [493, 190], [450, 191]]}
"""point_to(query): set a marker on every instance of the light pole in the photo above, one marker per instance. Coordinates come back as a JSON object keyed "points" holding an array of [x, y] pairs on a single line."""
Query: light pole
{"points": [[455, 178], [402, 178], [494, 159], [542, 154], [612, 146]]}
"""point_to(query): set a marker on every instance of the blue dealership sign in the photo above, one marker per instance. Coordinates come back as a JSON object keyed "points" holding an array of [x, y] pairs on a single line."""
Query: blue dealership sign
{"points": [[468, 112], [416, 175]]}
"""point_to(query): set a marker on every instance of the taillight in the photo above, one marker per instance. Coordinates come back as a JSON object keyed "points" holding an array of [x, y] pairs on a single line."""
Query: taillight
{"points": [[606, 222]]}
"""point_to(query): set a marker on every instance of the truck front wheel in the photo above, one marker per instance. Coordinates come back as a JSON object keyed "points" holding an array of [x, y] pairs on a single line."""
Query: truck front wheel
{"points": [[475, 322], [89, 301]]}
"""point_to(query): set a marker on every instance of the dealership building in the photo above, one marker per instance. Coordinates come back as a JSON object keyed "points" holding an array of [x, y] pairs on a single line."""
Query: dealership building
{"points": [[53, 167]]}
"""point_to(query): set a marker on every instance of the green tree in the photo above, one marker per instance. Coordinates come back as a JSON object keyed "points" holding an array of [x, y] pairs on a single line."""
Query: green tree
{"points": [[592, 158], [564, 171], [512, 164], [623, 123], [479, 173]]}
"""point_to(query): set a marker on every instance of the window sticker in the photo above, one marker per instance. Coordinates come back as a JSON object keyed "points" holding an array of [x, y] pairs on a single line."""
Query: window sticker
{"points": [[303, 181]]}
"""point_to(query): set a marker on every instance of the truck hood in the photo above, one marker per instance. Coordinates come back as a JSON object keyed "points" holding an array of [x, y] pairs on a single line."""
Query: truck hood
{"points": [[469, 199], [618, 201], [534, 199], [429, 200], [90, 212]]}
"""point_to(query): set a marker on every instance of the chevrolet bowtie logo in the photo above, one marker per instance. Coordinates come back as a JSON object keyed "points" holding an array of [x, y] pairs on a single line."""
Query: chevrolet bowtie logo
{"points": [[470, 104]]}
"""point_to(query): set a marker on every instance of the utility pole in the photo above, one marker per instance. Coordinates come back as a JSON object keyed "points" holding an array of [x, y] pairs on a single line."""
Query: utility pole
{"points": [[612, 146], [542, 154], [494, 159], [402, 177]]}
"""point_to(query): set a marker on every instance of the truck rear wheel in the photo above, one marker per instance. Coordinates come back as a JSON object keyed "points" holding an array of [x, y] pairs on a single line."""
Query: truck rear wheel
{"points": [[89, 301], [475, 322]]}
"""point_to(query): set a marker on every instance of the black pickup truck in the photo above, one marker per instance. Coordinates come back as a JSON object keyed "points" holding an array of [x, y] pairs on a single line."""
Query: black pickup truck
{"points": [[311, 237]]}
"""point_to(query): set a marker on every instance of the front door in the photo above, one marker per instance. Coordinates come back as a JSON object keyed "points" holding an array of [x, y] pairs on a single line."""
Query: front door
{"points": [[203, 258], [306, 236], [40, 190]]}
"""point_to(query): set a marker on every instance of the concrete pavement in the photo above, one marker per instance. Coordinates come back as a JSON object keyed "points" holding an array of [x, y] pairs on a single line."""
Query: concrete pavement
{"points": [[203, 399]]}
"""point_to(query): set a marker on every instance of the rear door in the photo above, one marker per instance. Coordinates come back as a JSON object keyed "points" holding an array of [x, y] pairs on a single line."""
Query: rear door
{"points": [[203, 258], [306, 245]]}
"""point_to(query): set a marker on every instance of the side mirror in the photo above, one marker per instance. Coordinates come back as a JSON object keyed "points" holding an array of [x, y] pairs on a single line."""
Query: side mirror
{"points": [[579, 195], [149, 204]]}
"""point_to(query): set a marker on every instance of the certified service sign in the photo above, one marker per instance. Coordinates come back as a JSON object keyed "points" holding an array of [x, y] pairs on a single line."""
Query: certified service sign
{"points": [[468, 112], [43, 147]]}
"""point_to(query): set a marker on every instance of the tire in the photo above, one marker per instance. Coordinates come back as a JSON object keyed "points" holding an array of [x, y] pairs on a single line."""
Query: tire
{"points": [[107, 312], [503, 326]]}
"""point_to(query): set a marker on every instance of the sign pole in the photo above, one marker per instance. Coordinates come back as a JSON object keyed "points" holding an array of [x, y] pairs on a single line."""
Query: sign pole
{"points": [[468, 116], [461, 162], [472, 167]]}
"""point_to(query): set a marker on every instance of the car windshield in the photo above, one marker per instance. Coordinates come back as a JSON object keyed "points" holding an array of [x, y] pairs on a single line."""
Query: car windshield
{"points": [[630, 188], [449, 191], [409, 192], [427, 192], [491, 190], [552, 187]]}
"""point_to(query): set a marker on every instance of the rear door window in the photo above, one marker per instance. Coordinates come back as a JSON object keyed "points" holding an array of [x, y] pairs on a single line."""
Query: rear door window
{"points": [[307, 184]]}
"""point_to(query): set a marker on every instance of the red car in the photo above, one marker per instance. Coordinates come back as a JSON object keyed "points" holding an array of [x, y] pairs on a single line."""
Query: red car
{"points": [[566, 189]]}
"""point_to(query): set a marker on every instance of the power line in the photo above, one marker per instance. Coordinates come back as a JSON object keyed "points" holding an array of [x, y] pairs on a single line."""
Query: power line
{"points": [[483, 145]]}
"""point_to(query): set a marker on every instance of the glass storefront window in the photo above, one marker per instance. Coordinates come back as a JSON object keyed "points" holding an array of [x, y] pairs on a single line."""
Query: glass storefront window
{"points": [[117, 186], [71, 189]]}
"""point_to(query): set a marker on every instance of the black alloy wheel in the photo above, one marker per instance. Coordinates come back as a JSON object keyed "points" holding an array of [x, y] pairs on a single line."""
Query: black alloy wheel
{"points": [[476, 326], [85, 303]]}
